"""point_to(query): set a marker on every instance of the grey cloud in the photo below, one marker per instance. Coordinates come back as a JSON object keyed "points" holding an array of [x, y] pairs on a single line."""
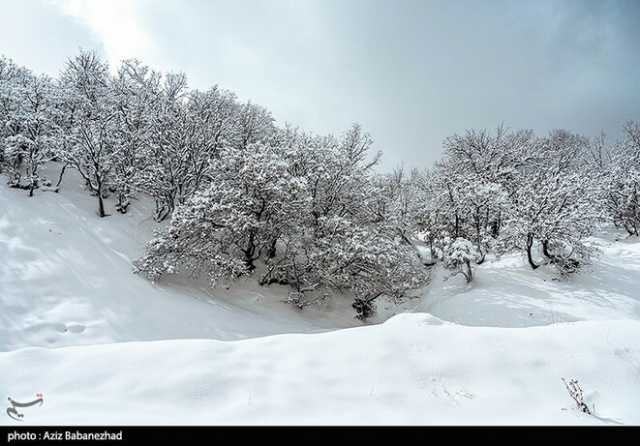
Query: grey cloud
{"points": [[412, 72], [35, 34]]}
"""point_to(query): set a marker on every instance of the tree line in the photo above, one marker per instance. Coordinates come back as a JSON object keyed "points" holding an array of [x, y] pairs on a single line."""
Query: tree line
{"points": [[244, 196]]}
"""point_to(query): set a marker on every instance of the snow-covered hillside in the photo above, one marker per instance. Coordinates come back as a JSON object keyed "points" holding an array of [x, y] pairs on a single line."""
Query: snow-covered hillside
{"points": [[66, 279], [106, 346]]}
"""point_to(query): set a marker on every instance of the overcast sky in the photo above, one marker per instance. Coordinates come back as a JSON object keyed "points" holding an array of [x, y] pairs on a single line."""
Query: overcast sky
{"points": [[410, 71]]}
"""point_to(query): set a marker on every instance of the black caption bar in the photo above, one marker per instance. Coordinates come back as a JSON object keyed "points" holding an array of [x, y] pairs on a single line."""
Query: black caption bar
{"points": [[210, 434]]}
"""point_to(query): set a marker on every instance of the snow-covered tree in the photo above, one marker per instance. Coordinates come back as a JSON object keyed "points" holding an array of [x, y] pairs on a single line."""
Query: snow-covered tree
{"points": [[30, 107], [471, 206], [252, 124], [338, 173], [306, 208], [622, 185], [8, 74], [497, 157], [187, 133], [467, 194], [223, 229], [370, 260], [510, 189], [349, 238], [431, 223], [89, 140], [396, 201], [136, 95], [554, 208], [33, 129], [459, 254]]}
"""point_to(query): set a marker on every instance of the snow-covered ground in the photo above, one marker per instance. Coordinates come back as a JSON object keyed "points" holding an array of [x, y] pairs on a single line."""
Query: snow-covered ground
{"points": [[412, 369], [105, 346], [507, 293]]}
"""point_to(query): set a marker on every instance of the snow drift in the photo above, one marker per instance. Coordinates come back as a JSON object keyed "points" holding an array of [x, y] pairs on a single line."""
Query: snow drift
{"points": [[412, 369]]}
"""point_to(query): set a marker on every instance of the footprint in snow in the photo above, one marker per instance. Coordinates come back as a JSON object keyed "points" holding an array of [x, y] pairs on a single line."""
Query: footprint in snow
{"points": [[76, 328]]}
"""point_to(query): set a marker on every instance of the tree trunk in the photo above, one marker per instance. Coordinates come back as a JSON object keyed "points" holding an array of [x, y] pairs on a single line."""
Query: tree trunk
{"points": [[529, 253], [469, 275], [548, 254], [64, 167], [33, 177], [272, 248], [478, 223], [101, 212], [495, 228], [545, 250], [249, 252], [631, 229], [159, 211]]}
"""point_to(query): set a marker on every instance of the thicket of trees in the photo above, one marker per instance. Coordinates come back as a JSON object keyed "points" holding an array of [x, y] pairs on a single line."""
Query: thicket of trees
{"points": [[504, 191], [245, 196]]}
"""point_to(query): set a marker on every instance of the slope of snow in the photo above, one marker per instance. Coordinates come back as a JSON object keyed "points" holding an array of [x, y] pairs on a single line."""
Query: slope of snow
{"points": [[66, 279], [413, 369], [105, 346], [507, 293]]}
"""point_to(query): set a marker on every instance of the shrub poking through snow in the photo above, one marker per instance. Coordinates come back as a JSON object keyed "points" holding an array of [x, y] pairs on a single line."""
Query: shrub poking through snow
{"points": [[300, 300], [458, 257], [575, 392]]}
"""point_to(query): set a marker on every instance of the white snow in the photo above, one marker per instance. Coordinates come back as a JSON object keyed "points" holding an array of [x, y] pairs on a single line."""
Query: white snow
{"points": [[507, 293], [105, 346], [412, 369]]}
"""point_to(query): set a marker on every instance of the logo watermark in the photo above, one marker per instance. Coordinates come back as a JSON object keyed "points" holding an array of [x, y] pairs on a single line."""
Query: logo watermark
{"points": [[13, 412]]}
